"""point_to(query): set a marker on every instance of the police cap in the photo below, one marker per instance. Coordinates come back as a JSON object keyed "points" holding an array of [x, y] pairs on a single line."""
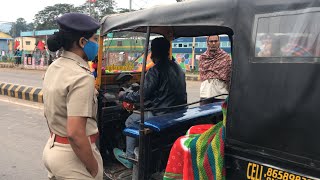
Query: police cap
{"points": [[78, 22]]}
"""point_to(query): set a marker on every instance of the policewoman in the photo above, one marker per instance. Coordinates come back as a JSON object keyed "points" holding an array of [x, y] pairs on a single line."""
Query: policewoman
{"points": [[70, 102]]}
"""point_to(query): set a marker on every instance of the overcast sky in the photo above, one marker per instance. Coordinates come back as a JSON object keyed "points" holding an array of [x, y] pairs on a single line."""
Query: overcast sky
{"points": [[13, 9]]}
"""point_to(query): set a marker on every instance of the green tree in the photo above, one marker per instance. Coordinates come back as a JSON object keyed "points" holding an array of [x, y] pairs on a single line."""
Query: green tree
{"points": [[103, 8], [123, 10], [46, 18], [30, 26], [99, 9], [18, 26]]}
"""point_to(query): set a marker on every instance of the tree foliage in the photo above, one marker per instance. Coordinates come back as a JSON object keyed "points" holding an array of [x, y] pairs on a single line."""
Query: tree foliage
{"points": [[46, 19], [99, 9], [19, 26], [123, 10]]}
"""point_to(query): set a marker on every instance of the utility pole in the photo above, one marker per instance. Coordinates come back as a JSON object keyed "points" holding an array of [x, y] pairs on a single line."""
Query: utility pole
{"points": [[89, 1], [134, 35], [130, 5], [193, 43], [22, 40], [14, 36], [193, 52]]}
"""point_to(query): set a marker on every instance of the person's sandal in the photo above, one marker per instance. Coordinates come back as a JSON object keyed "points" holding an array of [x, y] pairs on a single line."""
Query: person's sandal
{"points": [[118, 153]]}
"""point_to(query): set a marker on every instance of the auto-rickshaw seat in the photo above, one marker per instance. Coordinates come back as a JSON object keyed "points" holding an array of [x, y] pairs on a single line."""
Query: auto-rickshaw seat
{"points": [[177, 119], [131, 131]]}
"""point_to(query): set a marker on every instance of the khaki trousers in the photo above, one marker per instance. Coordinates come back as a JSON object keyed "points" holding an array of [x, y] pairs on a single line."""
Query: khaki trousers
{"points": [[62, 163]]}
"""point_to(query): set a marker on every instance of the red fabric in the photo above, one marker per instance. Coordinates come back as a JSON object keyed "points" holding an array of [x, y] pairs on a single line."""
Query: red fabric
{"points": [[179, 161], [208, 168], [199, 129], [176, 158], [127, 106], [94, 65], [215, 65], [41, 45], [92, 1], [187, 174], [16, 44], [65, 140]]}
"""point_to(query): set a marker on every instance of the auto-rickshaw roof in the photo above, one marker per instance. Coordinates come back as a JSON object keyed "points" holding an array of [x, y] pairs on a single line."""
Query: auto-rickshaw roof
{"points": [[215, 15], [187, 19]]}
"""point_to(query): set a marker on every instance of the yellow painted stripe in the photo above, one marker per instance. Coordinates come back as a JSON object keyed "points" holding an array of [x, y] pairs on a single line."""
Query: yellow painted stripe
{"points": [[16, 91], [31, 93], [40, 96], [9, 89], [24, 92], [2, 89]]}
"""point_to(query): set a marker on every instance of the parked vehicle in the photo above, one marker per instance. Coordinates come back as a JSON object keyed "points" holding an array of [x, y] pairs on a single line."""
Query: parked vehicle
{"points": [[273, 117]]}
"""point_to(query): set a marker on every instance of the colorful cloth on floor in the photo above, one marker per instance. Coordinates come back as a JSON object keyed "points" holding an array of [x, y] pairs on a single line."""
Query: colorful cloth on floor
{"points": [[199, 155]]}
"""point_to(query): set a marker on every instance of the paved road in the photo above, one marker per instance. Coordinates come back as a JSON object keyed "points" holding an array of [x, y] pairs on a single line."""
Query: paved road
{"points": [[23, 130], [23, 134], [34, 78], [22, 77], [193, 90]]}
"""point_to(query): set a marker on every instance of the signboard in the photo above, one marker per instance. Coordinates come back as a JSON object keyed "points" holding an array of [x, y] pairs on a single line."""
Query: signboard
{"points": [[29, 60]]}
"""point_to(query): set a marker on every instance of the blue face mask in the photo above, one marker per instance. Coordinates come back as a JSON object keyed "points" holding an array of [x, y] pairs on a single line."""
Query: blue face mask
{"points": [[91, 49]]}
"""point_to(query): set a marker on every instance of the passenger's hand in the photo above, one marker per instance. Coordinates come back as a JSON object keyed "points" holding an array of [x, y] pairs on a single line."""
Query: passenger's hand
{"points": [[128, 106], [121, 94]]}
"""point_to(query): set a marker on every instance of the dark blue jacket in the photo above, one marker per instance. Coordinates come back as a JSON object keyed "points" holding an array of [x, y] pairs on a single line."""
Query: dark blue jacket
{"points": [[164, 86]]}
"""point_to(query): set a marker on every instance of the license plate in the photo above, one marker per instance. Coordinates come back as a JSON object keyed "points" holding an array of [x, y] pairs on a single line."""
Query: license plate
{"points": [[261, 172]]}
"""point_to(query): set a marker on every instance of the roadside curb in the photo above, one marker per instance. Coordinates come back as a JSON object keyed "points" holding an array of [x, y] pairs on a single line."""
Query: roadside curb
{"points": [[22, 92], [21, 66], [6, 65], [192, 78]]}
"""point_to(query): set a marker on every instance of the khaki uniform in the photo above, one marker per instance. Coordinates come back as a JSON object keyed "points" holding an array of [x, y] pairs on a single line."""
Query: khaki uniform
{"points": [[69, 91]]}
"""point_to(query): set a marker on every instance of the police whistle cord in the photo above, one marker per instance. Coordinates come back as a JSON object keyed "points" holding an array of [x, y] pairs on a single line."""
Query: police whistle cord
{"points": [[184, 105]]}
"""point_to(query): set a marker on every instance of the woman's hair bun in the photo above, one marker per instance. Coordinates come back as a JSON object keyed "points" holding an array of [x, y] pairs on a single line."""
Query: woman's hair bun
{"points": [[55, 42]]}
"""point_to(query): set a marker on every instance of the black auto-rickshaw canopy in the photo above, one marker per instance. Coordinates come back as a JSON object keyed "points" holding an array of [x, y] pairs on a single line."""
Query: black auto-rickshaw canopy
{"points": [[186, 19], [274, 101], [198, 17]]}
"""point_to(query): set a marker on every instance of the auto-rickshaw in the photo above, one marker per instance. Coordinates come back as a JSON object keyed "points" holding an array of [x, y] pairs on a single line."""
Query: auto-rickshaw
{"points": [[273, 118]]}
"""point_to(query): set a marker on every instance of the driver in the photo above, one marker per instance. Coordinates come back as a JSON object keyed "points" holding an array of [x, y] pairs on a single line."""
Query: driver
{"points": [[165, 86]]}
